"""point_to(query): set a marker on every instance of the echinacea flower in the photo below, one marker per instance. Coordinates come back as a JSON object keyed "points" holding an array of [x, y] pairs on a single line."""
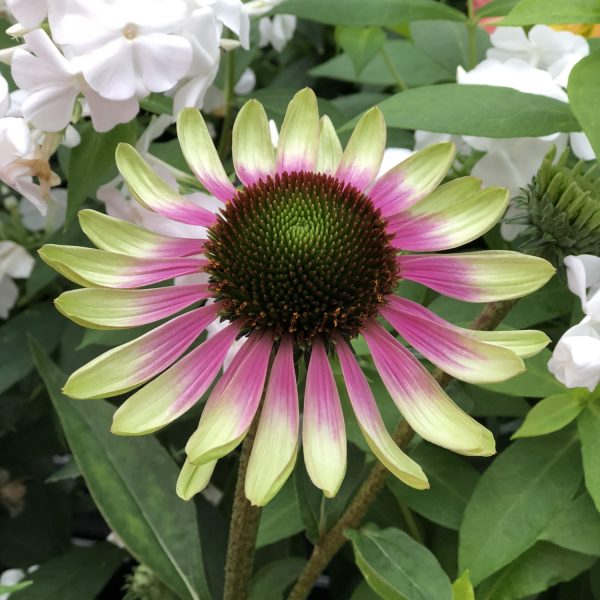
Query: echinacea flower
{"points": [[303, 259]]}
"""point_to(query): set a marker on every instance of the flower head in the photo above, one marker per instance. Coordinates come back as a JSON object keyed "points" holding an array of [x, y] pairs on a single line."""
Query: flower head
{"points": [[302, 259]]}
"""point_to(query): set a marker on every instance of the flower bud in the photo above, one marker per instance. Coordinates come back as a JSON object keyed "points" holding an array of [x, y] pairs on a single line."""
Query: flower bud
{"points": [[560, 210]]}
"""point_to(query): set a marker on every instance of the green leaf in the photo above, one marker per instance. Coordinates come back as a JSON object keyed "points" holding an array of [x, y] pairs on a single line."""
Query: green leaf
{"points": [[44, 323], [496, 8], [373, 12], [584, 90], [462, 588], [273, 580], [535, 382], [482, 110], [413, 65], [588, 425], [280, 518], [76, 575], [550, 414], [515, 500], [69, 470], [361, 44], [550, 12], [159, 104], [396, 567], [132, 481], [447, 43], [452, 482], [541, 567], [576, 527], [6, 589], [92, 163]]}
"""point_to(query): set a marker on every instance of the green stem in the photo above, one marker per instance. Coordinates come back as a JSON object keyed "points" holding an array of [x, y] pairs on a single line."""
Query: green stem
{"points": [[243, 529], [225, 138], [411, 522], [489, 318], [393, 70], [472, 22]]}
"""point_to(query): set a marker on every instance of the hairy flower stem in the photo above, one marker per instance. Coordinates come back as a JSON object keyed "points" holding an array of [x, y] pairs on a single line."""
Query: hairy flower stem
{"points": [[243, 528], [489, 318]]}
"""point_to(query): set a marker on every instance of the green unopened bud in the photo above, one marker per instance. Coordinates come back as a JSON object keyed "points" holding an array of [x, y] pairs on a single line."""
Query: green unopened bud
{"points": [[560, 210], [143, 584]]}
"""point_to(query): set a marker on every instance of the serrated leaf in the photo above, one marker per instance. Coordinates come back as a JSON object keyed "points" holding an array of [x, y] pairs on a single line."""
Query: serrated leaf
{"points": [[588, 425], [538, 569], [361, 44], [396, 566], [515, 499], [584, 90], [132, 481], [550, 414]]}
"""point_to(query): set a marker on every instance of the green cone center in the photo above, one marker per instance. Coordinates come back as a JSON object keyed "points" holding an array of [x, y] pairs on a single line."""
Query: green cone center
{"points": [[301, 253]]}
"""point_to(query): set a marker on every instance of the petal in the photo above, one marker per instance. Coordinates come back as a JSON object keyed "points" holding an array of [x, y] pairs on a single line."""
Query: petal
{"points": [[122, 237], [95, 268], [413, 179], [364, 151], [120, 309], [174, 392], [323, 429], [371, 424], [449, 347], [483, 276], [201, 154], [299, 138], [153, 193], [230, 408], [129, 365], [253, 152], [458, 212], [525, 343], [194, 478], [330, 150], [423, 403], [583, 273], [276, 443], [106, 114]]}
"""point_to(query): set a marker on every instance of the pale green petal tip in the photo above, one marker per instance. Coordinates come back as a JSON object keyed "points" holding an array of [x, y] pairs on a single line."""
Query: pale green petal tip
{"points": [[488, 445], [193, 479], [260, 496]]}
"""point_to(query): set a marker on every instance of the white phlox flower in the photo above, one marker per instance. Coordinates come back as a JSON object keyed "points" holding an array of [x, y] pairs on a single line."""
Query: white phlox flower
{"points": [[52, 85], [202, 31], [124, 48], [15, 263], [22, 160], [576, 358], [553, 51], [53, 220], [29, 13], [276, 31]]}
